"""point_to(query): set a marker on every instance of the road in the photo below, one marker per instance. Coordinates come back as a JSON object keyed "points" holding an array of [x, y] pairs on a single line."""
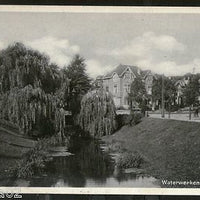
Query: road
{"points": [[176, 116]]}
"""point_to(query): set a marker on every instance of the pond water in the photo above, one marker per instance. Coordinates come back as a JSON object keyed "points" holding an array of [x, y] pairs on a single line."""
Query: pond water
{"points": [[89, 166]]}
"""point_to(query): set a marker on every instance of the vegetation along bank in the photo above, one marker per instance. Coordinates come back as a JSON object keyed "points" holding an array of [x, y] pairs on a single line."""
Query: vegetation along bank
{"points": [[171, 148]]}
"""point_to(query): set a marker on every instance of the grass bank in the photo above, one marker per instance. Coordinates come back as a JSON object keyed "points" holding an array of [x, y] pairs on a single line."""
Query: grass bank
{"points": [[13, 144], [171, 148]]}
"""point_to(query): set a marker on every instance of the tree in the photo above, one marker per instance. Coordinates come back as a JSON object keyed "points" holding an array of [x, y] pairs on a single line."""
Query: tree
{"points": [[138, 94], [169, 91], [191, 93], [29, 91], [79, 83], [169, 94], [97, 114], [21, 66], [156, 90]]}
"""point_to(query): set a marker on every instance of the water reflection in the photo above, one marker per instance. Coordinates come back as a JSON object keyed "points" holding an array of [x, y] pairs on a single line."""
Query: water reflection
{"points": [[88, 167], [88, 162]]}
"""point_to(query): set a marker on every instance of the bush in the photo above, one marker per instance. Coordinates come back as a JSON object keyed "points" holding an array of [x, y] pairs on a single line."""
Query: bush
{"points": [[129, 160], [132, 119], [136, 118], [115, 146], [123, 120], [33, 161], [173, 108]]}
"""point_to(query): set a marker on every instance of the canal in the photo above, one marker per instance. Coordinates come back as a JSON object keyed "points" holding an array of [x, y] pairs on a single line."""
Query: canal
{"points": [[88, 166]]}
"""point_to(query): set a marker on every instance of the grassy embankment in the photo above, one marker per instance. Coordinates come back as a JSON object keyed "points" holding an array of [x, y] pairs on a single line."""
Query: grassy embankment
{"points": [[171, 148], [12, 146], [23, 157]]}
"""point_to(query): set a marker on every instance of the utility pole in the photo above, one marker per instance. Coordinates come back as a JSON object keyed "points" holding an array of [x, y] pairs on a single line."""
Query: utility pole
{"points": [[163, 101]]}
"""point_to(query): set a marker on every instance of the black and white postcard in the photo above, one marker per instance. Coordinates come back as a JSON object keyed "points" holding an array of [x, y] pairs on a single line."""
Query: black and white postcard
{"points": [[100, 97]]}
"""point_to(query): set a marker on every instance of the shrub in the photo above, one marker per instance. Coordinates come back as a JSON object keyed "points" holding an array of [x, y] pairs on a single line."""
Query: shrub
{"points": [[129, 160], [123, 120], [34, 160], [132, 119], [136, 118], [115, 146]]}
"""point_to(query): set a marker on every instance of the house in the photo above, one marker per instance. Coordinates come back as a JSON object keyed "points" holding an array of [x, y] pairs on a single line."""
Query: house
{"points": [[148, 77], [180, 83], [118, 82]]}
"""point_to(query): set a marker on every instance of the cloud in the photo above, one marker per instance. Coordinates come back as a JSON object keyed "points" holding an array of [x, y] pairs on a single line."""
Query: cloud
{"points": [[171, 68], [95, 68], [150, 51], [60, 51], [147, 44]]}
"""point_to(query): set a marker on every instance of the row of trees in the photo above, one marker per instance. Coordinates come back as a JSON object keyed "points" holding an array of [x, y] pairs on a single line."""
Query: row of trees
{"points": [[190, 93], [138, 93], [35, 93]]}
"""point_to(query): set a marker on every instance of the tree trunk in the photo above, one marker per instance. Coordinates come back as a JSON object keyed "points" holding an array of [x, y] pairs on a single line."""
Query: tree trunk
{"points": [[190, 113], [169, 113]]}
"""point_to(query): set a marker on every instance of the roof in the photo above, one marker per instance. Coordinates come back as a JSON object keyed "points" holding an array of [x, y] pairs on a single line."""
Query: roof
{"points": [[146, 73], [99, 77], [182, 83], [120, 69]]}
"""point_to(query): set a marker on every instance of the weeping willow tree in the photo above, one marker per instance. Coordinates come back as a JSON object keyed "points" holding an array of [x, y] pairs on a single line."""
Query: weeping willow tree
{"points": [[32, 91], [97, 114]]}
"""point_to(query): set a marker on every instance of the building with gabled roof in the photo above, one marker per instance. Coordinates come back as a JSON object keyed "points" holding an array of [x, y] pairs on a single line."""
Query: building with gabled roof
{"points": [[121, 69], [119, 80]]}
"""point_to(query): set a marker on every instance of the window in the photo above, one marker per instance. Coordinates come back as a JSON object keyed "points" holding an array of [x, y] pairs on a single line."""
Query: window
{"points": [[107, 89], [127, 88], [127, 76], [125, 101], [115, 89]]}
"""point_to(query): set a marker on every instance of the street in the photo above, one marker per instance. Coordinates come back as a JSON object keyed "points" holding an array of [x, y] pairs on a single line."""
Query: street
{"points": [[175, 116]]}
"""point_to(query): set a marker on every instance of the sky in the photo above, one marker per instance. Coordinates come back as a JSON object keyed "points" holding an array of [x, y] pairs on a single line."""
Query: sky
{"points": [[164, 43]]}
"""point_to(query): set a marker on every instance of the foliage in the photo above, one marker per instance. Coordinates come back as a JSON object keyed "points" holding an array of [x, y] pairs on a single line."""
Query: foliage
{"points": [[191, 91], [136, 118], [34, 160], [169, 89], [138, 93], [79, 83], [123, 120], [132, 119], [115, 146], [21, 66], [97, 114], [31, 91], [157, 89], [129, 160], [32, 163], [27, 106]]}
